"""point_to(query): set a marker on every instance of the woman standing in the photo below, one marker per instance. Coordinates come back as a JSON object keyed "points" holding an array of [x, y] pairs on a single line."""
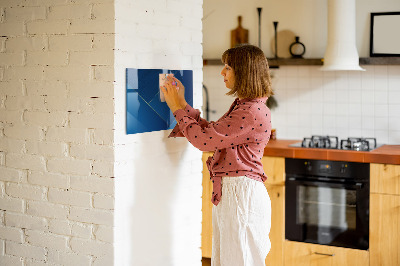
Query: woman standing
{"points": [[242, 208]]}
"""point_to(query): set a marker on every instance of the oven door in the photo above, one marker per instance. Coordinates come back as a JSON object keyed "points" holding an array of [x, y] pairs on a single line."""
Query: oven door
{"points": [[327, 213]]}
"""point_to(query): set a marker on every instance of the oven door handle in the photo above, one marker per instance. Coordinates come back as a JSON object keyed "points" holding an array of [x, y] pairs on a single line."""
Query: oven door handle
{"points": [[357, 185]]}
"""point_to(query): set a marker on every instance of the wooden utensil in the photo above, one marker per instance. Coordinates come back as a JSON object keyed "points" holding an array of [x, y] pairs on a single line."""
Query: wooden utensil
{"points": [[239, 35]]}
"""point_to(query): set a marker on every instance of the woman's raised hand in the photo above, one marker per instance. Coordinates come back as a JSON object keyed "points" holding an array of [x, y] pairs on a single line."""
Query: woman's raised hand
{"points": [[181, 91], [172, 94]]}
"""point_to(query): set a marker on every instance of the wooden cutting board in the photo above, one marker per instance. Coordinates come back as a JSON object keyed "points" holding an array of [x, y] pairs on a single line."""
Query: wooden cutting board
{"points": [[239, 35]]}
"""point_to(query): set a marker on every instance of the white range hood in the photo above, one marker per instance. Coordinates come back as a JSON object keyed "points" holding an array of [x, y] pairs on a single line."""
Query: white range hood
{"points": [[341, 51]]}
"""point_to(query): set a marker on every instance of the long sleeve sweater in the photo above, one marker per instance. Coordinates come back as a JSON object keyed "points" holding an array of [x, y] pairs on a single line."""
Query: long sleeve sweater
{"points": [[238, 139]]}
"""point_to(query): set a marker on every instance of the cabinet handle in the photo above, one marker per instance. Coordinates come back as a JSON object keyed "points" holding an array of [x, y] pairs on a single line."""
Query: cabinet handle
{"points": [[324, 254]]}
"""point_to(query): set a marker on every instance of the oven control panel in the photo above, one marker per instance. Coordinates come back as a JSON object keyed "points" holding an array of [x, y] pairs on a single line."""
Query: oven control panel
{"points": [[338, 169], [325, 167]]}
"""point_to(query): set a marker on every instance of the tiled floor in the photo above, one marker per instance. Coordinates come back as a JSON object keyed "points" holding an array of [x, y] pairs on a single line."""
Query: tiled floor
{"points": [[206, 261]]}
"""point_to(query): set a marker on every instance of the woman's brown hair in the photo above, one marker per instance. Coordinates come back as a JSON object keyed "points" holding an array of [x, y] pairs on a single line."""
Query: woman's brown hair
{"points": [[250, 66]]}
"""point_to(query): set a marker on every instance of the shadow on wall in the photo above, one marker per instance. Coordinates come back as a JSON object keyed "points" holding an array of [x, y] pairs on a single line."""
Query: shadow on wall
{"points": [[156, 191]]}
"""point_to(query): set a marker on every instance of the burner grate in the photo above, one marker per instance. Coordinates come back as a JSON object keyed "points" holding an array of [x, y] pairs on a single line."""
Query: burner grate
{"points": [[358, 144], [327, 142], [332, 142]]}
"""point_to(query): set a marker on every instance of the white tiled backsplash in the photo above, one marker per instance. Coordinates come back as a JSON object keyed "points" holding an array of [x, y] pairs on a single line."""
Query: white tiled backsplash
{"points": [[314, 102]]}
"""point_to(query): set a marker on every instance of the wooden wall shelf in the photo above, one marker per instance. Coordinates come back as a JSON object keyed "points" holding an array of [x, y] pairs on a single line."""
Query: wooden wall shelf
{"points": [[380, 61], [274, 63]]}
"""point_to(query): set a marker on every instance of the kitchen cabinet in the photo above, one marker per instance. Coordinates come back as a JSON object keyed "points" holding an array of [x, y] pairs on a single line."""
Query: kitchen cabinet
{"points": [[206, 225], [277, 233], [385, 214], [274, 168], [385, 178], [305, 254], [385, 229]]}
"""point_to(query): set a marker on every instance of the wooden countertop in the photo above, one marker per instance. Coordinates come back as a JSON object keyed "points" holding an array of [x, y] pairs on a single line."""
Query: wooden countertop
{"points": [[389, 154]]}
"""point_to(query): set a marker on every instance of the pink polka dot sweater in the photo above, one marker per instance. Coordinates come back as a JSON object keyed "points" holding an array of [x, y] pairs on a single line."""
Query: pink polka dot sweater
{"points": [[238, 139]]}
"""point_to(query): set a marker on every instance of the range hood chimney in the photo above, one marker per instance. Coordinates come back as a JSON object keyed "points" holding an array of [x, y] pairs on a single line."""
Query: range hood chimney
{"points": [[341, 51]]}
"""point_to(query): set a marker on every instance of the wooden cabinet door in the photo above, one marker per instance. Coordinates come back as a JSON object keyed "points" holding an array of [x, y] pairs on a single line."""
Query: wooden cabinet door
{"points": [[206, 226], [304, 254], [274, 168], [384, 236], [385, 178], [277, 233]]}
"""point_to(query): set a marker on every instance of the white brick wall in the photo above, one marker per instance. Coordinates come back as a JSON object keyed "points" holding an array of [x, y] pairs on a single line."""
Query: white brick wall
{"points": [[56, 132], [68, 258], [25, 251], [62, 138], [155, 176], [25, 221], [47, 210], [11, 233], [46, 240]]}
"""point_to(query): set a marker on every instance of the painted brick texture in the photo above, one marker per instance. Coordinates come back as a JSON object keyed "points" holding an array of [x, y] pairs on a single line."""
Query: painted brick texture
{"points": [[56, 132], [62, 135]]}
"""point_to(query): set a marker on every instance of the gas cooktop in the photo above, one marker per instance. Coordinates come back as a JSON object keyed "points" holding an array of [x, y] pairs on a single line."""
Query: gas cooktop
{"points": [[332, 142]]}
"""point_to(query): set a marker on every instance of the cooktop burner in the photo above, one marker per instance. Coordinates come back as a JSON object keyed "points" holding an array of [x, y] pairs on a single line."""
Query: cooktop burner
{"points": [[332, 142], [358, 144], [328, 142]]}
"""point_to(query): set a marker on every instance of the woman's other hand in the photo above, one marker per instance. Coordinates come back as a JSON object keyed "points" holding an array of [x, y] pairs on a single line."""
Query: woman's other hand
{"points": [[172, 96], [181, 91]]}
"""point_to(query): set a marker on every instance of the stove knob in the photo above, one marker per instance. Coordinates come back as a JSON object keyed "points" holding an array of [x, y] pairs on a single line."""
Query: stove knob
{"points": [[343, 168], [308, 166]]}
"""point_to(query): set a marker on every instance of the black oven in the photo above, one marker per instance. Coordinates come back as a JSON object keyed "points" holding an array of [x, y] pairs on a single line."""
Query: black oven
{"points": [[327, 202]]}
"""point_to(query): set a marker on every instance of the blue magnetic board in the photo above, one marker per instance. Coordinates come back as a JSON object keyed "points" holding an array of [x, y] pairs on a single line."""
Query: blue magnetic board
{"points": [[145, 112]]}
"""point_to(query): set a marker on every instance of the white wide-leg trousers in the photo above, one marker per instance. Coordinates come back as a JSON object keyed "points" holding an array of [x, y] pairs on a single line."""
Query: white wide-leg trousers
{"points": [[241, 223]]}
